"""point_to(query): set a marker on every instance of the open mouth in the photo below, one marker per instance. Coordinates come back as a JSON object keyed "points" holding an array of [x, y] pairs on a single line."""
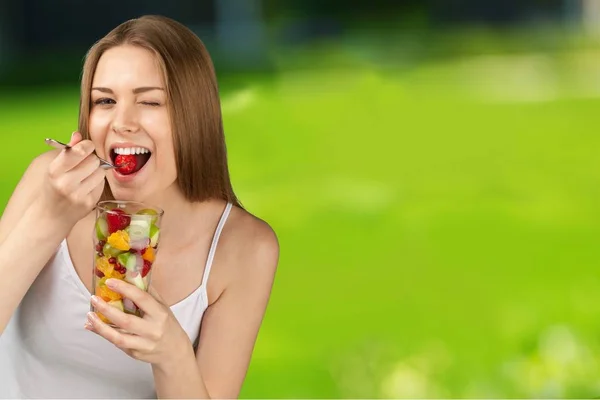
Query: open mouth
{"points": [[129, 160]]}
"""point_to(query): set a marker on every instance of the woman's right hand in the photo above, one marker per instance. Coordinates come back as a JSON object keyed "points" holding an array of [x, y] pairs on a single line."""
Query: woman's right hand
{"points": [[74, 181]]}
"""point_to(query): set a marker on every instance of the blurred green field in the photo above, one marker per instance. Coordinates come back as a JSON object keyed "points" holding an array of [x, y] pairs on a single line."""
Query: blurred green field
{"points": [[438, 223]]}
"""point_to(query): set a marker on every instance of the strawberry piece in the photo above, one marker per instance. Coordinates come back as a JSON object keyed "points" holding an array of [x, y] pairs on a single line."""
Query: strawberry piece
{"points": [[117, 220], [125, 163], [147, 267], [99, 273]]}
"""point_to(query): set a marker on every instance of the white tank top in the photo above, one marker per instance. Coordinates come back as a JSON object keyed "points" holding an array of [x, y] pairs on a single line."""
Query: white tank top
{"points": [[46, 353]]}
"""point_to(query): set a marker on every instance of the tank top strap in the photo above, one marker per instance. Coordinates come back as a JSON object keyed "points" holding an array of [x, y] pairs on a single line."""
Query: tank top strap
{"points": [[215, 242]]}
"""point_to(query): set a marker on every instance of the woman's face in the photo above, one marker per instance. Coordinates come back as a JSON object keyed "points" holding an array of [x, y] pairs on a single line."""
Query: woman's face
{"points": [[129, 122]]}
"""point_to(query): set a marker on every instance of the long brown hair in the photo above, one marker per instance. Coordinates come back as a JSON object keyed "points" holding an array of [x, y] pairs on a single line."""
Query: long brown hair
{"points": [[193, 101]]}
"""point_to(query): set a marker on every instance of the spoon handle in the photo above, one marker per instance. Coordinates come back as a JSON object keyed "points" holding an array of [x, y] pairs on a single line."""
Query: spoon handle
{"points": [[59, 145], [56, 144]]}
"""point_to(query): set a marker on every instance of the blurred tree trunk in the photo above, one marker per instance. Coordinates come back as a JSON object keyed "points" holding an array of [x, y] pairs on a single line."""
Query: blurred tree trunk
{"points": [[241, 34], [591, 16], [572, 11]]}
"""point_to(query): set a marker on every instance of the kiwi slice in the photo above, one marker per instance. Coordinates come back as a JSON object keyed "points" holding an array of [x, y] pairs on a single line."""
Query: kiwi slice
{"points": [[154, 235], [151, 212], [110, 251], [101, 228], [128, 260]]}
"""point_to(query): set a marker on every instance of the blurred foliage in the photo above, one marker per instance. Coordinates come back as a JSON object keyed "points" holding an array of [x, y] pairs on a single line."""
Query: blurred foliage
{"points": [[435, 195]]}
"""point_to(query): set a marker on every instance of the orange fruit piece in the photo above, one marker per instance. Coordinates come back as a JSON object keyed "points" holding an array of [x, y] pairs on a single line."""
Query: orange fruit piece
{"points": [[102, 317], [117, 275], [119, 240], [149, 254], [106, 294], [103, 265]]}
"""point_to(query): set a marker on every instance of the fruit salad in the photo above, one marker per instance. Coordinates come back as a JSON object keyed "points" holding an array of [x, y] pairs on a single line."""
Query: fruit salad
{"points": [[126, 239]]}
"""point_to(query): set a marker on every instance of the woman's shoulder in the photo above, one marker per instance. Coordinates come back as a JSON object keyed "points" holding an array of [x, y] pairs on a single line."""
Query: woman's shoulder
{"points": [[250, 245]]}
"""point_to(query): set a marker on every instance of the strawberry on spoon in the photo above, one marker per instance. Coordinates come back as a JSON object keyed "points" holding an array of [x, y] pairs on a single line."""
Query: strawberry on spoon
{"points": [[126, 163]]}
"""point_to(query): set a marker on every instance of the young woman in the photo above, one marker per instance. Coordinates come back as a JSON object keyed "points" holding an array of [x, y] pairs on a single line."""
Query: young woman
{"points": [[149, 85]]}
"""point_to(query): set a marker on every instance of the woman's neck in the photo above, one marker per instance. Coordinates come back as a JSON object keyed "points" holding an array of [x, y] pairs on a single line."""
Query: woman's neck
{"points": [[180, 215]]}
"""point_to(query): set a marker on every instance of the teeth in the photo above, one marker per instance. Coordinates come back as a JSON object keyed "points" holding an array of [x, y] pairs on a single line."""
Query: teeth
{"points": [[130, 150]]}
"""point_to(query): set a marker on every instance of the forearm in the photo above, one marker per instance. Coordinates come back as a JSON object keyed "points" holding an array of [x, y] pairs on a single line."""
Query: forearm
{"points": [[23, 254], [180, 378]]}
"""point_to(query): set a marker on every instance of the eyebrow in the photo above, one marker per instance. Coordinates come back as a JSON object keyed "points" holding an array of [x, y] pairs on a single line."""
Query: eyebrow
{"points": [[135, 91]]}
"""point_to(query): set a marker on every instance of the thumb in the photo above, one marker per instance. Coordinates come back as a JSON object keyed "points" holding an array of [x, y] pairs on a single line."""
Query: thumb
{"points": [[75, 138]]}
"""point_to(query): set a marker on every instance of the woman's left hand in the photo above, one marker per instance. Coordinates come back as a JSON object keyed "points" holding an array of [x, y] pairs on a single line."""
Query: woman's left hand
{"points": [[157, 338]]}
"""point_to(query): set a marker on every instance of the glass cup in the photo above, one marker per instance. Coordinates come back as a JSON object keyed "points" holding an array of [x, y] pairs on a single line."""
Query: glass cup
{"points": [[126, 237]]}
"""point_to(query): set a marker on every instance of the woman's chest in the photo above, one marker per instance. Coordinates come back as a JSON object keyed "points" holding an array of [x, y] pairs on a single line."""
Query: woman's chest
{"points": [[175, 274]]}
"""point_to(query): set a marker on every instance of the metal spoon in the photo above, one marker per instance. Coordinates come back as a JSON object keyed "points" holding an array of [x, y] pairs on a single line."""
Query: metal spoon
{"points": [[59, 145]]}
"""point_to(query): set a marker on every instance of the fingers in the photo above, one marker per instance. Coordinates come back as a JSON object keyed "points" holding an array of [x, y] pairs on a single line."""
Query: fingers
{"points": [[85, 168], [75, 138], [69, 183], [76, 169], [74, 178], [122, 340], [131, 323], [94, 181], [69, 159], [141, 298]]}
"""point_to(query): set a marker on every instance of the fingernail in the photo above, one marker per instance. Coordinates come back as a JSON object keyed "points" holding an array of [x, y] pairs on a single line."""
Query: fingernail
{"points": [[95, 300], [92, 316], [111, 283], [87, 326], [73, 134]]}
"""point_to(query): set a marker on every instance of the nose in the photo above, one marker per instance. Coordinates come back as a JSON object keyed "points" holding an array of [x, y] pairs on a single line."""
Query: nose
{"points": [[125, 119]]}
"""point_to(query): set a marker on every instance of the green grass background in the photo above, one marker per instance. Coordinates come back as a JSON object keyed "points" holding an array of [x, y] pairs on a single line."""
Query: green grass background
{"points": [[438, 217]]}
